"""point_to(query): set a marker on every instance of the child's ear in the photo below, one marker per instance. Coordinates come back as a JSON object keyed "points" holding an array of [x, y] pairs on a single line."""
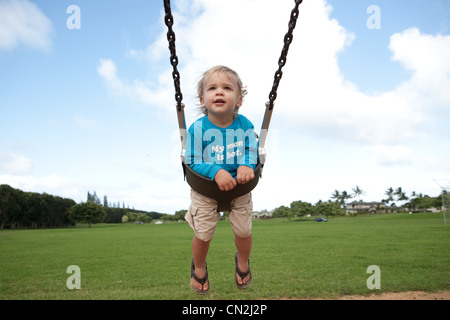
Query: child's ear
{"points": [[202, 102], [239, 102]]}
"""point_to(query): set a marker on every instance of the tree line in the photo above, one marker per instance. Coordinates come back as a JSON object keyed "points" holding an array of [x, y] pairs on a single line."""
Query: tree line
{"points": [[300, 209], [92, 197], [395, 198], [31, 210], [20, 210], [108, 212], [398, 198]]}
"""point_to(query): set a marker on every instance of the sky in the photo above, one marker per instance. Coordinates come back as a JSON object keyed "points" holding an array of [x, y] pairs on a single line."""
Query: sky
{"points": [[87, 99]]}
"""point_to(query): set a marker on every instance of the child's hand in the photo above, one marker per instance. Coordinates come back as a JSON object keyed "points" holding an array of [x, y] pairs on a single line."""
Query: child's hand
{"points": [[245, 174], [224, 180]]}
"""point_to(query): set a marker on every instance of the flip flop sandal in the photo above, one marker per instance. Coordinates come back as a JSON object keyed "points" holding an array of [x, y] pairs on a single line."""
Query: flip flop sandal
{"points": [[241, 274], [202, 281]]}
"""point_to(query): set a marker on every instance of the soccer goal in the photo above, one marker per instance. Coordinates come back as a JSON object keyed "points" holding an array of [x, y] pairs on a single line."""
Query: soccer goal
{"points": [[444, 184]]}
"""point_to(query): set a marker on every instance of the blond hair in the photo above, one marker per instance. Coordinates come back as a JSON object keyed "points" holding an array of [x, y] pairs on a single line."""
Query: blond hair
{"points": [[242, 90]]}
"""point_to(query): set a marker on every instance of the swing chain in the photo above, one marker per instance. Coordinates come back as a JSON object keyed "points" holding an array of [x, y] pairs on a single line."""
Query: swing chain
{"points": [[173, 54], [283, 58]]}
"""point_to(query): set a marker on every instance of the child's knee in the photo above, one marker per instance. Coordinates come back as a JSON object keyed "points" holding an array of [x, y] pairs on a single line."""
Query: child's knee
{"points": [[243, 231], [204, 227], [241, 223], [205, 236], [241, 216], [202, 216]]}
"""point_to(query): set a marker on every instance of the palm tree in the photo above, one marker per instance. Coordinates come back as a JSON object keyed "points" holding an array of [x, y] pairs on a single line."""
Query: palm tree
{"points": [[390, 193], [345, 196], [357, 192], [401, 195], [336, 195], [341, 198]]}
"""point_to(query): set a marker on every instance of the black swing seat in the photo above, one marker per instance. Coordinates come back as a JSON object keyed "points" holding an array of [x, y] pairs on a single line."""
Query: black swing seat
{"points": [[210, 189]]}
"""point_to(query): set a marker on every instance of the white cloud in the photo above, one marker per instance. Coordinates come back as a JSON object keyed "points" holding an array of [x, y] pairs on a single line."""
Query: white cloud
{"points": [[426, 56], [313, 93], [421, 53], [22, 22], [15, 164], [52, 184], [136, 90], [16, 170], [388, 155]]}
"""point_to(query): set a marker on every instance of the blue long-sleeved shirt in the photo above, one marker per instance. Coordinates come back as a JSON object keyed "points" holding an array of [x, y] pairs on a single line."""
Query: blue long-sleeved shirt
{"points": [[210, 148]]}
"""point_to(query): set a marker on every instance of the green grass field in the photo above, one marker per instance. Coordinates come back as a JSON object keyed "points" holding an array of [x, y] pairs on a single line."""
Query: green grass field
{"points": [[290, 259]]}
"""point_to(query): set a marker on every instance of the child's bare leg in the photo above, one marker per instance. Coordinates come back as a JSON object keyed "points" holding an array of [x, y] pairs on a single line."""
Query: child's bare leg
{"points": [[199, 251], [244, 247]]}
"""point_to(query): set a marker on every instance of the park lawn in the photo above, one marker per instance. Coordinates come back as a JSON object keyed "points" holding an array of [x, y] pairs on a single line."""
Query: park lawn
{"points": [[296, 258]]}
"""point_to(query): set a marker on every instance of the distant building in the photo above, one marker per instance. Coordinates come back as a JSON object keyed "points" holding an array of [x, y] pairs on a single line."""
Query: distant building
{"points": [[262, 214], [367, 207]]}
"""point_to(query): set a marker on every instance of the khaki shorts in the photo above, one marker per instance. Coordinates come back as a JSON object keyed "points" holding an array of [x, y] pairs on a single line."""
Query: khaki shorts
{"points": [[202, 216]]}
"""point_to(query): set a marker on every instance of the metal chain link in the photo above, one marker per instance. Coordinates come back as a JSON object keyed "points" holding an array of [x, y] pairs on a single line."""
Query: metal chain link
{"points": [[173, 54], [283, 58]]}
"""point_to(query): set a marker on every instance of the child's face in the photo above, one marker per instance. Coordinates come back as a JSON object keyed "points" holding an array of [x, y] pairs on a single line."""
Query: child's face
{"points": [[221, 95]]}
